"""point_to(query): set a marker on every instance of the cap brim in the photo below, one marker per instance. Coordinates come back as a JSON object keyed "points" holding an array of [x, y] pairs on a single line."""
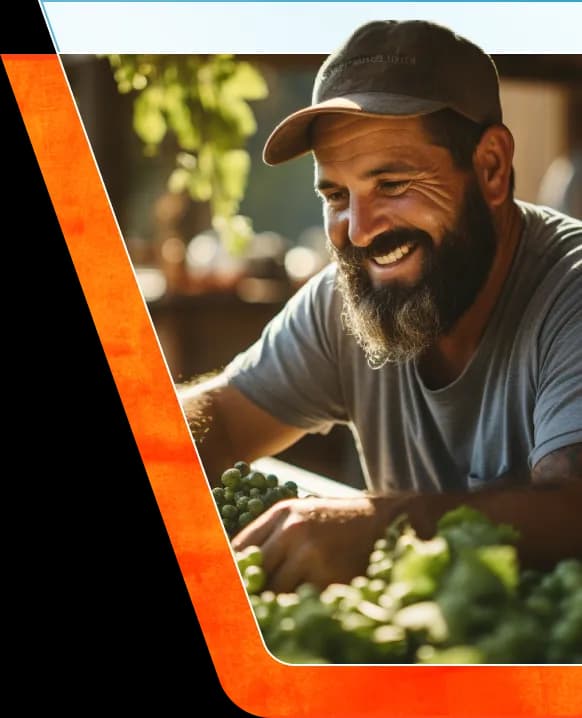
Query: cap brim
{"points": [[291, 137]]}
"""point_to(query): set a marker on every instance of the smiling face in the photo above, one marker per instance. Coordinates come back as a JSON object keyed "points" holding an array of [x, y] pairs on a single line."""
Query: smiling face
{"points": [[411, 234]]}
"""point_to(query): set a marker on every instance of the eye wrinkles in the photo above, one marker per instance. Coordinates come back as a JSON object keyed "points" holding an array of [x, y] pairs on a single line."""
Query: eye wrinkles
{"points": [[392, 168], [392, 188], [332, 192]]}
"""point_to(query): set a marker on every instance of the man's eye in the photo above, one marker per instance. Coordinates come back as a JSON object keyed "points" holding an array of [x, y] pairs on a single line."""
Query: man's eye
{"points": [[395, 187], [334, 197]]}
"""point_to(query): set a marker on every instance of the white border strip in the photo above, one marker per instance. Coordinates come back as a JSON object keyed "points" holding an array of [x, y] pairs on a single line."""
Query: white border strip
{"points": [[300, 27]]}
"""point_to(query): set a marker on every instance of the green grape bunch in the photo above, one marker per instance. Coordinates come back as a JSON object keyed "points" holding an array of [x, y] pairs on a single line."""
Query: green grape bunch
{"points": [[245, 493]]}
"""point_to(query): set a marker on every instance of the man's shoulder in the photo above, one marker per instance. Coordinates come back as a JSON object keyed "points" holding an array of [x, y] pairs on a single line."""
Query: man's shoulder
{"points": [[548, 222], [320, 287], [551, 241], [546, 280]]}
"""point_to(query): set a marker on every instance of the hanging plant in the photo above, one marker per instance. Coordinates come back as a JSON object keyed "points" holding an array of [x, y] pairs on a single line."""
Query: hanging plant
{"points": [[203, 101]]}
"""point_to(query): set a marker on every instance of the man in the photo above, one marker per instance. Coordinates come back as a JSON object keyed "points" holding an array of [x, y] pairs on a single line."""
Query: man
{"points": [[446, 331]]}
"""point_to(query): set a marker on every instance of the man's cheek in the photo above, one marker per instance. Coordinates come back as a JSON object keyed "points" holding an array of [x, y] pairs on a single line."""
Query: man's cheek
{"points": [[429, 211], [334, 229]]}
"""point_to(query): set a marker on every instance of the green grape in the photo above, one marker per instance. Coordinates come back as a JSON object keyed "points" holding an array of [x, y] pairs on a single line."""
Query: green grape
{"points": [[271, 480], [375, 588], [231, 478], [359, 582], [242, 503], [255, 506], [257, 480], [378, 555], [250, 492], [276, 494], [229, 496], [245, 519], [230, 525], [218, 495], [254, 579], [381, 569], [250, 556], [269, 498], [287, 493], [229, 511], [381, 544], [243, 467]]}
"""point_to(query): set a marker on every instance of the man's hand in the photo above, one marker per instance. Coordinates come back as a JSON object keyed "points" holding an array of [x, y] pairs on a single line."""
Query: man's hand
{"points": [[321, 541], [316, 540]]}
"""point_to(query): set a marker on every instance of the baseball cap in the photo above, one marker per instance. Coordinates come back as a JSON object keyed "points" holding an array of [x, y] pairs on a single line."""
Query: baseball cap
{"points": [[390, 67]]}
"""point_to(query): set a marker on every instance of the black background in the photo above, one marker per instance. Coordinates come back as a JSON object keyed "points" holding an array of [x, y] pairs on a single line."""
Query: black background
{"points": [[94, 601]]}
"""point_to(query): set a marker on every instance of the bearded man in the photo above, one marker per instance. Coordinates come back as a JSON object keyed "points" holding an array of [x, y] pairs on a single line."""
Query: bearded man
{"points": [[446, 331]]}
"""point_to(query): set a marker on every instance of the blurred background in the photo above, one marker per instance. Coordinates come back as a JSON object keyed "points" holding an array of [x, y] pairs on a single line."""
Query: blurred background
{"points": [[218, 240]]}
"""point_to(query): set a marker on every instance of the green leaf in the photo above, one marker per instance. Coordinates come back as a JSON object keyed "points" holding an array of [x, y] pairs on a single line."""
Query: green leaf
{"points": [[233, 170], [453, 655], [425, 618], [465, 527], [187, 134], [206, 159], [419, 565], [200, 186], [246, 82], [201, 102], [503, 562], [179, 180], [148, 120], [238, 113]]}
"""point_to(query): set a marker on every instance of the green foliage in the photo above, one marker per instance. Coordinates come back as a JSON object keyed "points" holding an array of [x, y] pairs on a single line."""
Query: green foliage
{"points": [[459, 597], [466, 527], [202, 102]]}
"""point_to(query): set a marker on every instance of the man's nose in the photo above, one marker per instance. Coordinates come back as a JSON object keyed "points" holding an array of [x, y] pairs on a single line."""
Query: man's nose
{"points": [[366, 221]]}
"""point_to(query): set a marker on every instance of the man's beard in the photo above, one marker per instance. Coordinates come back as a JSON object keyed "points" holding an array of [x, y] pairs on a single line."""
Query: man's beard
{"points": [[398, 321]]}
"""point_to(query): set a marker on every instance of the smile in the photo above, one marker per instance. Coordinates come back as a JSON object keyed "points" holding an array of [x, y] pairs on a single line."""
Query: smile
{"points": [[396, 255]]}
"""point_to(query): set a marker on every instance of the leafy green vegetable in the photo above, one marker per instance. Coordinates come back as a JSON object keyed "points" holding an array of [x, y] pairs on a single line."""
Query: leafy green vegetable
{"points": [[458, 598], [465, 527]]}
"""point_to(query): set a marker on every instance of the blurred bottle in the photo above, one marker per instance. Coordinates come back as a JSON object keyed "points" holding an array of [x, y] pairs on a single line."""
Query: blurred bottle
{"points": [[561, 185]]}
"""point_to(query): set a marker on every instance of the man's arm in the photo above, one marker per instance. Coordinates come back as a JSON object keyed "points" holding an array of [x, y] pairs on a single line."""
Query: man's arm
{"points": [[227, 427], [547, 512], [321, 541], [561, 465]]}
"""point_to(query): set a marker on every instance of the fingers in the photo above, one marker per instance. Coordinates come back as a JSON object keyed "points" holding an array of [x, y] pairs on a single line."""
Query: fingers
{"points": [[267, 532], [291, 571], [255, 533]]}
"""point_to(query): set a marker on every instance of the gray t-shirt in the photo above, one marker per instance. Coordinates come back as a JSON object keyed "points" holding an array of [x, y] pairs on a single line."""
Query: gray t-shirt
{"points": [[519, 398]]}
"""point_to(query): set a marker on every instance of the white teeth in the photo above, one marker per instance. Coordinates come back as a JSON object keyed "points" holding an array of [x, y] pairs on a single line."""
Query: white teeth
{"points": [[395, 255]]}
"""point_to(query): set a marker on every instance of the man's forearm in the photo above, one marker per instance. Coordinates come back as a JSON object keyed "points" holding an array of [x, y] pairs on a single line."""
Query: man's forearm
{"points": [[547, 516], [228, 427]]}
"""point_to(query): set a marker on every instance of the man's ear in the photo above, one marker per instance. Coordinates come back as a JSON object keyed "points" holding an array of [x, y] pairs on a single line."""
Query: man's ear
{"points": [[493, 163]]}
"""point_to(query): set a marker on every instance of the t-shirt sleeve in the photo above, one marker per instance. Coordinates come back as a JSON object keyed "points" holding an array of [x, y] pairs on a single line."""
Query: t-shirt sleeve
{"points": [[291, 371], [558, 409]]}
